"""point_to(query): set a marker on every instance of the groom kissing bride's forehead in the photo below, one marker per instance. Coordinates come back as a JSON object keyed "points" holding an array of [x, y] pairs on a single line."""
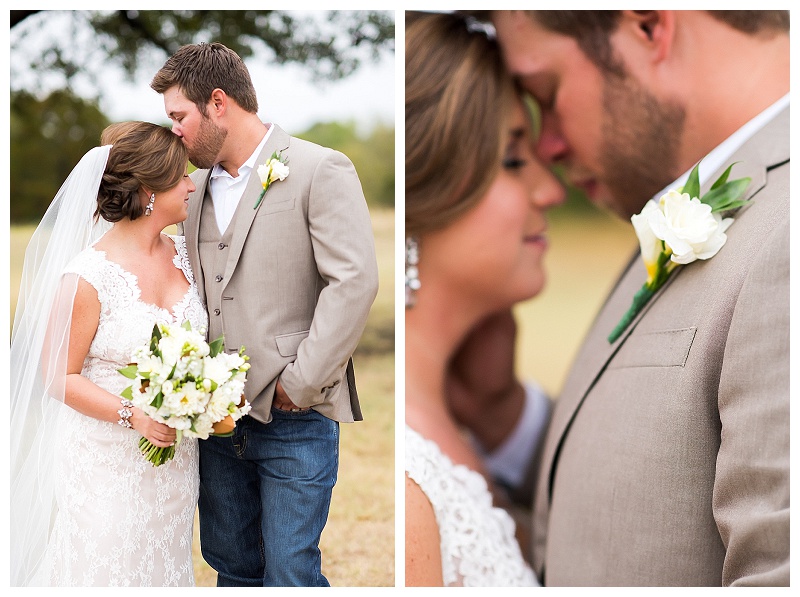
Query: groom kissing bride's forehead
{"points": [[280, 236], [667, 458]]}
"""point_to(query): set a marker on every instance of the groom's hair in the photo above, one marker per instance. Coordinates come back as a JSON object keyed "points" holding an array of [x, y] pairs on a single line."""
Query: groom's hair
{"points": [[198, 69], [592, 29]]}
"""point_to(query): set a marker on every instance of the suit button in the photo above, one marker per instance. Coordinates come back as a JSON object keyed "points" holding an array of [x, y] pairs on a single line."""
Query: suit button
{"points": [[221, 246], [218, 278], [216, 311]]}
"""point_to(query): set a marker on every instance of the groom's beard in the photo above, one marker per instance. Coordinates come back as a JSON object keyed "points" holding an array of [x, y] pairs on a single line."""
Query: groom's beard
{"points": [[641, 140], [205, 148]]}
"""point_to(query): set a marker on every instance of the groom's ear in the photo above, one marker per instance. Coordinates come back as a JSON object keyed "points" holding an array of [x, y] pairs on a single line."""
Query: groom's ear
{"points": [[653, 29], [218, 102]]}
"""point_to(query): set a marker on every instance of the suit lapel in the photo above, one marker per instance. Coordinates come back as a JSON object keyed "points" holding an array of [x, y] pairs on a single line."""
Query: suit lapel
{"points": [[767, 148], [245, 214]]}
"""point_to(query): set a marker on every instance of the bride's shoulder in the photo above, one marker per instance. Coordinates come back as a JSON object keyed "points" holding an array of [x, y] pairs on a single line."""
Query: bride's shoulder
{"points": [[88, 261], [423, 457]]}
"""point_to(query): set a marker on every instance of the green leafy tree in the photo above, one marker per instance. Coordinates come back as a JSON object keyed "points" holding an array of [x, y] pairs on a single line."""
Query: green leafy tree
{"points": [[48, 137], [372, 155], [331, 44]]}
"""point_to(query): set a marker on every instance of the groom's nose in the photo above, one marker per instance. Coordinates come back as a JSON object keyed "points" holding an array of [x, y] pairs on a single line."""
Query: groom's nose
{"points": [[551, 146]]}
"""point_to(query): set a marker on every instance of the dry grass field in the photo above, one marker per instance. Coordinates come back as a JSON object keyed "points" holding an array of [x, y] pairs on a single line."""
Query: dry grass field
{"points": [[358, 544], [587, 251]]}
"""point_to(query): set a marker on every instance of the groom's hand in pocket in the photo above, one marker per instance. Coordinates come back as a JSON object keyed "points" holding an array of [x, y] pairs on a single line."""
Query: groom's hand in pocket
{"points": [[482, 389], [282, 400]]}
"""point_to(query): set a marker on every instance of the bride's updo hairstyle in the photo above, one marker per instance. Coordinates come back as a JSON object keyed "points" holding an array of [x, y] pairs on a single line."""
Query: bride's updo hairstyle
{"points": [[459, 97], [143, 154]]}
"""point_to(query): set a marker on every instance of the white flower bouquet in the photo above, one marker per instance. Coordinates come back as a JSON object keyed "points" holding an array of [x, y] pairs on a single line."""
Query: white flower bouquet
{"points": [[191, 385]]}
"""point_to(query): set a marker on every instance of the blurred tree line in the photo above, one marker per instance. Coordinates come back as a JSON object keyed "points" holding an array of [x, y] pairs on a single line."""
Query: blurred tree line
{"points": [[49, 136], [50, 130]]}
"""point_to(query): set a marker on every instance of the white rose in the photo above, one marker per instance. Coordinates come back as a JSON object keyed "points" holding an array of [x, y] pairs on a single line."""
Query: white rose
{"points": [[203, 426], [218, 407], [216, 369], [277, 170], [171, 349], [688, 227]]}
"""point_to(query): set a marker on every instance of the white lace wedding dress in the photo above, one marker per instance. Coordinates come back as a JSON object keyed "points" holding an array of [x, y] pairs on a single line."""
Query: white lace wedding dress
{"points": [[120, 520], [477, 539]]}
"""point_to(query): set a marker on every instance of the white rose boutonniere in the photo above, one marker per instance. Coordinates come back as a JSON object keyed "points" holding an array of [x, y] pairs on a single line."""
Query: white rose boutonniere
{"points": [[680, 228], [275, 169]]}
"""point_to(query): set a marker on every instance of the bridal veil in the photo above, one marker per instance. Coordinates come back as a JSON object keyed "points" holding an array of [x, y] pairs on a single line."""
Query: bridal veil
{"points": [[38, 360]]}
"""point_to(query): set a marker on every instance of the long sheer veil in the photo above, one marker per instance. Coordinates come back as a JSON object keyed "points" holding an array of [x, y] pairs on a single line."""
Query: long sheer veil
{"points": [[39, 344]]}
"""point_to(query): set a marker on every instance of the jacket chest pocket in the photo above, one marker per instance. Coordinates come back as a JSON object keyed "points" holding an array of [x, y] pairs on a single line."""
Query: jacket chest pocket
{"points": [[271, 207], [666, 348]]}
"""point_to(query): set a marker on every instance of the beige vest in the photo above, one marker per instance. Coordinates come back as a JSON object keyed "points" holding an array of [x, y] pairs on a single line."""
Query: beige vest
{"points": [[214, 249]]}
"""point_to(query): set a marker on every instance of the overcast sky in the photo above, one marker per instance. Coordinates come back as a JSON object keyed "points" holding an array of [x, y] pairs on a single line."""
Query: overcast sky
{"points": [[287, 94]]}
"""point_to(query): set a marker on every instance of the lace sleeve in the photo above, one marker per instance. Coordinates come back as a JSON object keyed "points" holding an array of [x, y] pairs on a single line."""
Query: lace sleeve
{"points": [[181, 259], [478, 542], [110, 281]]}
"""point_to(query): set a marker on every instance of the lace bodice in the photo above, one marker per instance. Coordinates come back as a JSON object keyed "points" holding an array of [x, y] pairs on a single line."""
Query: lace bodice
{"points": [[121, 521], [126, 322], [477, 539]]}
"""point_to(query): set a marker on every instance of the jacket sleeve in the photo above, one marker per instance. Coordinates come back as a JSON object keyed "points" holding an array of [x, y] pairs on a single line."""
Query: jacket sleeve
{"points": [[344, 250], [751, 489]]}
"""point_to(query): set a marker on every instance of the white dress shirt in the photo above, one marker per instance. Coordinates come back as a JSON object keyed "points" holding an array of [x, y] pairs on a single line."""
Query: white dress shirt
{"points": [[226, 191]]}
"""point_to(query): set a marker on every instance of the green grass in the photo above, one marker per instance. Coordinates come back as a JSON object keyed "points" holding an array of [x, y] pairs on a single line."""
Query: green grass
{"points": [[358, 542]]}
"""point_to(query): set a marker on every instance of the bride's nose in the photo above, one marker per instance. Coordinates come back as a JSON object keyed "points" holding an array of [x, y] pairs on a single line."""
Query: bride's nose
{"points": [[546, 190]]}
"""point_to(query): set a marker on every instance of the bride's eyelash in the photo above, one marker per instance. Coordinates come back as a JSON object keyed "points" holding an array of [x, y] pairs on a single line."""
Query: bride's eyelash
{"points": [[513, 163]]}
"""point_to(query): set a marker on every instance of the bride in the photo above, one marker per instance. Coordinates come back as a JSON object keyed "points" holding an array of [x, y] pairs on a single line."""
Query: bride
{"points": [[475, 226], [87, 509]]}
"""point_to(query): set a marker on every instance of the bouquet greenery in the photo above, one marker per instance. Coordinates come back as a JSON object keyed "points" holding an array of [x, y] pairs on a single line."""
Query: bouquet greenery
{"points": [[191, 385]]}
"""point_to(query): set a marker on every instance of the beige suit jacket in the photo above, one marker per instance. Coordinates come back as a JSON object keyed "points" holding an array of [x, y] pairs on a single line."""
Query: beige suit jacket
{"points": [[300, 279], [667, 459]]}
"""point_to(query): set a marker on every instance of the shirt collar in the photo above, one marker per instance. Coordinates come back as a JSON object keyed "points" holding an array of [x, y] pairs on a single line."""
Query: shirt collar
{"points": [[218, 171], [717, 157]]}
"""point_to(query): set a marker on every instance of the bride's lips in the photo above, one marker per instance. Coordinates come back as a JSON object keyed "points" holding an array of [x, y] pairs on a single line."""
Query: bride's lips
{"points": [[537, 239]]}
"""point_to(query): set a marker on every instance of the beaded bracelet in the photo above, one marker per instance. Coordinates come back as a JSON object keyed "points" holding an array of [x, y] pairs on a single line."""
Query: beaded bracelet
{"points": [[125, 413]]}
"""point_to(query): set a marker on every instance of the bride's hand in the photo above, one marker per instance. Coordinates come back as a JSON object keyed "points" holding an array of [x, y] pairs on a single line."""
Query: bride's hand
{"points": [[160, 435], [482, 389]]}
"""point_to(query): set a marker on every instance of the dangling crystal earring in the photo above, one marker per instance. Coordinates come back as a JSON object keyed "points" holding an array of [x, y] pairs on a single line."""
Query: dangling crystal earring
{"points": [[412, 272], [149, 209]]}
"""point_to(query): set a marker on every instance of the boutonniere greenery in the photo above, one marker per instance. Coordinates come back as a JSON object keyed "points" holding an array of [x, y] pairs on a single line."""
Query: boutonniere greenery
{"points": [[275, 169], [680, 228]]}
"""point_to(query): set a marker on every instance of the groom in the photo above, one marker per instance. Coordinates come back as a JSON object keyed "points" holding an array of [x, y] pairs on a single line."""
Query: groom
{"points": [[667, 457], [291, 276]]}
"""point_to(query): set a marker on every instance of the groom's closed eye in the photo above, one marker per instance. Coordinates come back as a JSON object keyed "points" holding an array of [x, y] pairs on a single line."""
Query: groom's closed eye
{"points": [[542, 88]]}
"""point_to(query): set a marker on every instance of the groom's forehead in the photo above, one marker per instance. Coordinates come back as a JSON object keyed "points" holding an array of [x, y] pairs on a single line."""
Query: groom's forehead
{"points": [[528, 47]]}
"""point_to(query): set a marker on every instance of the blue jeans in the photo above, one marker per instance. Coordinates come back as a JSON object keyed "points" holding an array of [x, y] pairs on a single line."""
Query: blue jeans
{"points": [[264, 499]]}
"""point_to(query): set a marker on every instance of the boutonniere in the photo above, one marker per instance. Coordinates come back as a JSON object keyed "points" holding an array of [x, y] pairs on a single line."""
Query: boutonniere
{"points": [[274, 169], [679, 229]]}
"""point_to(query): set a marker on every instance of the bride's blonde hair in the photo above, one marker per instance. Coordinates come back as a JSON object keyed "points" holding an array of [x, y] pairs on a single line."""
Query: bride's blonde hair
{"points": [[459, 97]]}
